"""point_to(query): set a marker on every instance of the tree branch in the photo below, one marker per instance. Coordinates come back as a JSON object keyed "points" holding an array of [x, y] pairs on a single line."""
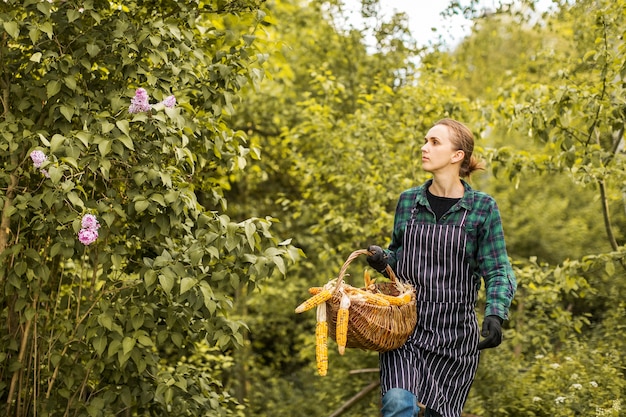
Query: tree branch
{"points": [[606, 215], [355, 399], [20, 359]]}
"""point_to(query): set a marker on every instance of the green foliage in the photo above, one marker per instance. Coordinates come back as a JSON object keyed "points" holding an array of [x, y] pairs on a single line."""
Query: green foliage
{"points": [[334, 163], [557, 384], [115, 326], [289, 124]]}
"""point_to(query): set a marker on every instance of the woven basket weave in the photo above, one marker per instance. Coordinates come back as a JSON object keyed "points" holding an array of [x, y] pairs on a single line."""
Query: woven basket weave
{"points": [[373, 327]]}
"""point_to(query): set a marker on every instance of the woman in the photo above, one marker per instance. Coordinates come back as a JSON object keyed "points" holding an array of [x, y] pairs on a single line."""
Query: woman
{"points": [[446, 236]]}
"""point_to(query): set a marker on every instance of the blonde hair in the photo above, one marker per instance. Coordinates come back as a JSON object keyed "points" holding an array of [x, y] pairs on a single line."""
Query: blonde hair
{"points": [[463, 139]]}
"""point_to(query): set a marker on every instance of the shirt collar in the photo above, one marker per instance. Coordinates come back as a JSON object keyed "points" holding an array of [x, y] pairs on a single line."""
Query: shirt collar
{"points": [[467, 201]]}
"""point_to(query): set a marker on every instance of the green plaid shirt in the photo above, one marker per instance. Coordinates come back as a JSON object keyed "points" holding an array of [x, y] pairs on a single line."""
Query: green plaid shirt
{"points": [[486, 248]]}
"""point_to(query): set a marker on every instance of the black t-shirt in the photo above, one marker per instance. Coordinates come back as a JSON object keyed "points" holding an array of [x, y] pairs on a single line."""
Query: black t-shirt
{"points": [[440, 205]]}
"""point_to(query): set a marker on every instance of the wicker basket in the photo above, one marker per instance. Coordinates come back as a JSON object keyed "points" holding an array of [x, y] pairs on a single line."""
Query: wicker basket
{"points": [[373, 327]]}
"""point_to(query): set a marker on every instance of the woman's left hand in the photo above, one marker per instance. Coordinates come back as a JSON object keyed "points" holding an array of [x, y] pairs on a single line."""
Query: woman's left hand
{"points": [[492, 332]]}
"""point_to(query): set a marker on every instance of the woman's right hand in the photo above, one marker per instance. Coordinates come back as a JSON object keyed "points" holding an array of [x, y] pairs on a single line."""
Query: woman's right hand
{"points": [[377, 258]]}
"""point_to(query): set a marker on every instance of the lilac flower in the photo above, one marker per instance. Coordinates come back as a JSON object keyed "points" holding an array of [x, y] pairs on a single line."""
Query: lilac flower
{"points": [[89, 221], [38, 158], [89, 232], [140, 102], [45, 173], [87, 236], [169, 101]]}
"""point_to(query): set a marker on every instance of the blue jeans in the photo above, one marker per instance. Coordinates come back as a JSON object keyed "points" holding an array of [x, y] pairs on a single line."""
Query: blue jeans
{"points": [[398, 402]]}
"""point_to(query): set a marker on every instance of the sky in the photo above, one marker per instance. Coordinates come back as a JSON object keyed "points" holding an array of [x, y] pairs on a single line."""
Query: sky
{"points": [[425, 14]]}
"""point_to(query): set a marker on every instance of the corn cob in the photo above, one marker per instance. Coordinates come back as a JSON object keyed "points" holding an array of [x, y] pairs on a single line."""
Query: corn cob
{"points": [[399, 300], [341, 335], [317, 299], [321, 340], [375, 299], [368, 297]]}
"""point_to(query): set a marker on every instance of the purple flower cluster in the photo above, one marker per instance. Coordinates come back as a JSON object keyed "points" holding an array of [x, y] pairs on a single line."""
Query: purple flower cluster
{"points": [[39, 158], [169, 101], [89, 232], [141, 102]]}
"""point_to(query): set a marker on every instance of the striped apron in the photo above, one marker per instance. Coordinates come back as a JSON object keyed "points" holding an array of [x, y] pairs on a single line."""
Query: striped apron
{"points": [[439, 360]]}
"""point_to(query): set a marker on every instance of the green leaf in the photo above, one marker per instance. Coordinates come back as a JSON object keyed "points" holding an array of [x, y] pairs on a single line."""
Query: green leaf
{"points": [[52, 88], [123, 126], [167, 283], [99, 344], [149, 277], [610, 268], [12, 29], [141, 205], [43, 140], [105, 321], [93, 49], [56, 142], [68, 112], [127, 141], [20, 268], [104, 147], [116, 259], [70, 82], [107, 126], [72, 15], [145, 340], [84, 137], [195, 256], [15, 366], [250, 229], [75, 199], [55, 174], [177, 339], [128, 343], [36, 57], [186, 284]]}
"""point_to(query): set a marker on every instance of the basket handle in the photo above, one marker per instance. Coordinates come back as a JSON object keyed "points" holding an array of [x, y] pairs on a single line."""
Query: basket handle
{"points": [[353, 256]]}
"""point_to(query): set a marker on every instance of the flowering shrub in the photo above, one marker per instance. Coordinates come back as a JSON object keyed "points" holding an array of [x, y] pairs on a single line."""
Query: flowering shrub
{"points": [[83, 331]]}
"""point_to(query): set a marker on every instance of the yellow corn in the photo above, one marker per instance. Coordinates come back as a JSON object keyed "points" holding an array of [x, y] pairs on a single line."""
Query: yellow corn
{"points": [[367, 278], [397, 300], [321, 340], [341, 335], [375, 299], [315, 290], [368, 297], [314, 301]]}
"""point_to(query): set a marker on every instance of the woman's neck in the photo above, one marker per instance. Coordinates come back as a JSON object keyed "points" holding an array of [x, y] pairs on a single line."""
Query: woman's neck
{"points": [[447, 186]]}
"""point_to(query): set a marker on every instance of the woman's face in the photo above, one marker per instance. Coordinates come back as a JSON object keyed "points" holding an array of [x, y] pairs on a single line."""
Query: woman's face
{"points": [[438, 151]]}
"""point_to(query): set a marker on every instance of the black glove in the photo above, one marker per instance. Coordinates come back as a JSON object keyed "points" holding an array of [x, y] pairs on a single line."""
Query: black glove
{"points": [[377, 258], [492, 332]]}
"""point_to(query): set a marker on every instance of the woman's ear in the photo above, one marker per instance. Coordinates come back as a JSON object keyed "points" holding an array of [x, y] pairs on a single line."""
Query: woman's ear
{"points": [[458, 156]]}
